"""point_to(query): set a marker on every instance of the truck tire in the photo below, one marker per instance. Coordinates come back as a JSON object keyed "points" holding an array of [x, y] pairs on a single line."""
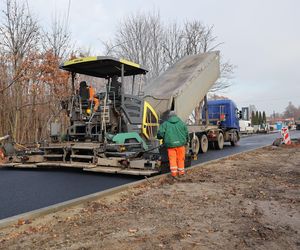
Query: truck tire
{"points": [[234, 140], [195, 145], [219, 144], [203, 143]]}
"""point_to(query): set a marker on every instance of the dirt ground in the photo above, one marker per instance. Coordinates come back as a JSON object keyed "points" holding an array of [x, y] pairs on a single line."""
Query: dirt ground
{"points": [[249, 201]]}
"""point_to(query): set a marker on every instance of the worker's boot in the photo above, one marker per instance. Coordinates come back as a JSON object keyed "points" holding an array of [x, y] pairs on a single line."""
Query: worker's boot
{"points": [[174, 177], [181, 173]]}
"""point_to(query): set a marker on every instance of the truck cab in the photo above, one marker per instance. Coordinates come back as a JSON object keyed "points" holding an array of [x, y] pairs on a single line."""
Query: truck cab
{"points": [[223, 113]]}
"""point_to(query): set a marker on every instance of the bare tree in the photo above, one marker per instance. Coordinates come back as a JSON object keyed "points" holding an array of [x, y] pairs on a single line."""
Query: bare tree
{"points": [[200, 39], [226, 75], [57, 47], [19, 31], [4, 97], [173, 44], [142, 38], [58, 38], [19, 34], [139, 39], [193, 38], [292, 111]]}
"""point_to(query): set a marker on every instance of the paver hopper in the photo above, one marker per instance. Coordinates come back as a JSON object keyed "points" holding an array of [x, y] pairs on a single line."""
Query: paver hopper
{"points": [[184, 85]]}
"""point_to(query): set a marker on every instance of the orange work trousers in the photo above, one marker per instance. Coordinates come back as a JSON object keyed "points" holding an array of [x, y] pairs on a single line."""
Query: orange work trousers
{"points": [[176, 159]]}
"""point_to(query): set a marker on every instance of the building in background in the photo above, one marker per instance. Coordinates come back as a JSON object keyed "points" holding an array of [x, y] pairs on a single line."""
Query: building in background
{"points": [[247, 112]]}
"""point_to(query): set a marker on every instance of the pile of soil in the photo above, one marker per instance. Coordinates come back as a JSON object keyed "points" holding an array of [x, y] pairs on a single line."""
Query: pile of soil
{"points": [[295, 144], [249, 201]]}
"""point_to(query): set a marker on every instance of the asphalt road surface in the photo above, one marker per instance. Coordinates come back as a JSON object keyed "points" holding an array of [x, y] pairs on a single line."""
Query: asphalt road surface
{"points": [[246, 143], [25, 190]]}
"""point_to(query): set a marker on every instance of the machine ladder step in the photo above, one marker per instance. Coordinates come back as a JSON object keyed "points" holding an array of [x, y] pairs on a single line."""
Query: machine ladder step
{"points": [[82, 156], [54, 156]]}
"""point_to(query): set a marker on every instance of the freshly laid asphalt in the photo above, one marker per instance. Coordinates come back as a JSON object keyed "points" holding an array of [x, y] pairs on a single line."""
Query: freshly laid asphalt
{"points": [[25, 190]]}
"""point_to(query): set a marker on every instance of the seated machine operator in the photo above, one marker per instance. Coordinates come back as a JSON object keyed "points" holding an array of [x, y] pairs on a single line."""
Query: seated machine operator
{"points": [[88, 93], [93, 98]]}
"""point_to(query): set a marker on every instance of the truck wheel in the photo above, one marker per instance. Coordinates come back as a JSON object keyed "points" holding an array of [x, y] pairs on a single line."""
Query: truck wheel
{"points": [[203, 143], [220, 142], [234, 140], [195, 145]]}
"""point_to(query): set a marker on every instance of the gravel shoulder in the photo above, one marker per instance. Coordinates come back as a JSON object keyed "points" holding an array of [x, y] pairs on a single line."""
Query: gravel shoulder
{"points": [[248, 201]]}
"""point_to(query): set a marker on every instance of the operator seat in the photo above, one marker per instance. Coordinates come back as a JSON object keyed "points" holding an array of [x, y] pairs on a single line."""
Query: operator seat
{"points": [[116, 87], [84, 95]]}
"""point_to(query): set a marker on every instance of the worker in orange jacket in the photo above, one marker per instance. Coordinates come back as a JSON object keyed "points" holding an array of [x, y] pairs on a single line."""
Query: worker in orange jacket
{"points": [[175, 136], [88, 92], [93, 98]]}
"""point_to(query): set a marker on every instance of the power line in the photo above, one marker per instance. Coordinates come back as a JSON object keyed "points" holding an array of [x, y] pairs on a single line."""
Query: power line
{"points": [[68, 12]]}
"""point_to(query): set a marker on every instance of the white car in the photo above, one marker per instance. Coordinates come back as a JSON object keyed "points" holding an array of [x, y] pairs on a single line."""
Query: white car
{"points": [[245, 127]]}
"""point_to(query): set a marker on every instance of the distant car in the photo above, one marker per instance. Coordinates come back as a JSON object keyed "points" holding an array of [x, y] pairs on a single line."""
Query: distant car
{"points": [[263, 129], [245, 127], [298, 126]]}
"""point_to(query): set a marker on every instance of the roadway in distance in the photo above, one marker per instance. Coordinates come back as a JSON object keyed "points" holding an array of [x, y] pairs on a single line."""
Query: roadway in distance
{"points": [[246, 143]]}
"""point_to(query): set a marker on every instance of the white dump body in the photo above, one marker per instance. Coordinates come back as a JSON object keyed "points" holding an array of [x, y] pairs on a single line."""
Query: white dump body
{"points": [[184, 85]]}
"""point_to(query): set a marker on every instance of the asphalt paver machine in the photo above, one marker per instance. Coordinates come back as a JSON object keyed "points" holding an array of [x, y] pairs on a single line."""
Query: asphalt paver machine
{"points": [[109, 131]]}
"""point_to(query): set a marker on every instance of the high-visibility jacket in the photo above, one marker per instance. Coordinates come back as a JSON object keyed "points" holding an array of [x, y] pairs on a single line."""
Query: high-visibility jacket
{"points": [[92, 93], [173, 132]]}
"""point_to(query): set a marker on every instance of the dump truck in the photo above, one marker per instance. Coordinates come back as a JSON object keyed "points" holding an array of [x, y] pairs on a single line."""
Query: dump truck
{"points": [[182, 87], [115, 132]]}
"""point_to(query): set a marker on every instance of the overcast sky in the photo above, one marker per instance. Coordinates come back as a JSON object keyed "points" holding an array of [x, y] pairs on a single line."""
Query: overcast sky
{"points": [[261, 37]]}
